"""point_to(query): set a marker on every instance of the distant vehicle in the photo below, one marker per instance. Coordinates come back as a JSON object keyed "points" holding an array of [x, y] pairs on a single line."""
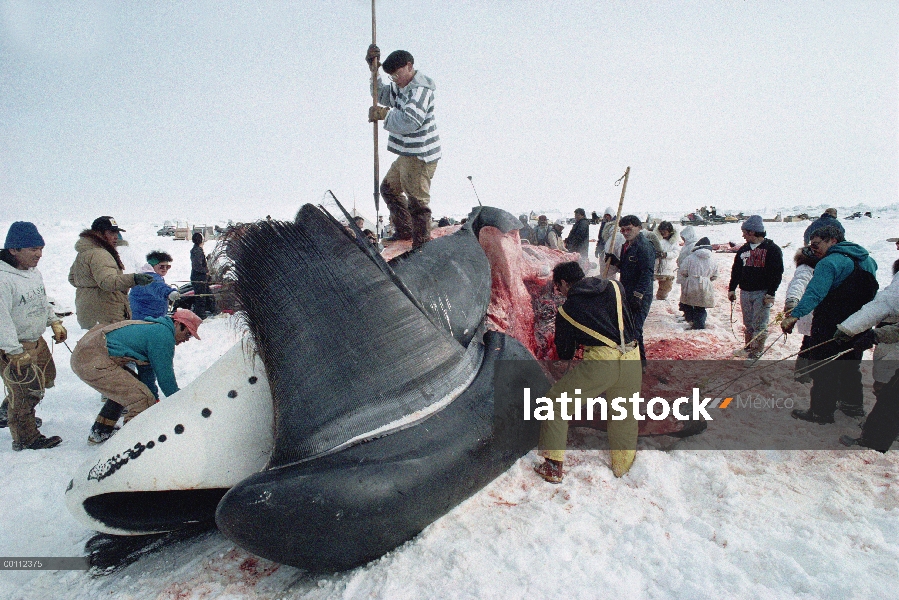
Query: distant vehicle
{"points": [[858, 215], [693, 219], [167, 230]]}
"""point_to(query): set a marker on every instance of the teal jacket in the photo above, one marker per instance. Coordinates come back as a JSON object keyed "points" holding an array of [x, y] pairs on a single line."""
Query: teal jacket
{"points": [[153, 343], [831, 271]]}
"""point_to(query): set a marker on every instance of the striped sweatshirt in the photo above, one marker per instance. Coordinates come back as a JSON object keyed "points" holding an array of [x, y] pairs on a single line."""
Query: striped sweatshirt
{"points": [[411, 122]]}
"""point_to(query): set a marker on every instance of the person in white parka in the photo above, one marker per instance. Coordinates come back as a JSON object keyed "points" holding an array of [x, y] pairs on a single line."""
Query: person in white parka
{"points": [[697, 292], [805, 260], [882, 310], [666, 242]]}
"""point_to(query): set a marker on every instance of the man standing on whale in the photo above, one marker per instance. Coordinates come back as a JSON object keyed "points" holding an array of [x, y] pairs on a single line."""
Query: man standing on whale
{"points": [[407, 109]]}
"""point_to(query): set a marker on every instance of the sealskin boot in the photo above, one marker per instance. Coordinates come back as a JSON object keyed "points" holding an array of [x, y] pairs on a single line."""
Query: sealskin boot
{"points": [[550, 470]]}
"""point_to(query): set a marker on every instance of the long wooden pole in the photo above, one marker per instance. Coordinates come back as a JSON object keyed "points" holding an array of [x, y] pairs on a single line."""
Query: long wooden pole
{"points": [[605, 268], [375, 65]]}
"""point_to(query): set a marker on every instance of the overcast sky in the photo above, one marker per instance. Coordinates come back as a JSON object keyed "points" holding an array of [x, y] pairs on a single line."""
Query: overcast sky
{"points": [[240, 109]]}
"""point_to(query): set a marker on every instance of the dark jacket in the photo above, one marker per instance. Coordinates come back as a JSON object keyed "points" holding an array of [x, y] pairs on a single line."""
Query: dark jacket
{"points": [[759, 269], [637, 266], [822, 221], [830, 272], [198, 260], [578, 239], [591, 302]]}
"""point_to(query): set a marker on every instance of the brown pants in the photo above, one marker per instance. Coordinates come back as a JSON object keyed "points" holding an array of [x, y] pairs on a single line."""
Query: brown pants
{"points": [[411, 177], [665, 284], [25, 390], [107, 374]]}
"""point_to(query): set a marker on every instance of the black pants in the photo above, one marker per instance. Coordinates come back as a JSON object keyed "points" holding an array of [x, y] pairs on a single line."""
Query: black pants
{"points": [[200, 282], [882, 425], [837, 381]]}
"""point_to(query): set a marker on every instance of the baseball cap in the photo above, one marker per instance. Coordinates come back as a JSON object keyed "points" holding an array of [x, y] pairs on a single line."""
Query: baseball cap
{"points": [[189, 320], [102, 224]]}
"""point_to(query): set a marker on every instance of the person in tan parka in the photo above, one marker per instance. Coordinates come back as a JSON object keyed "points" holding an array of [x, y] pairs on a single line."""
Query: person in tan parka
{"points": [[101, 285]]}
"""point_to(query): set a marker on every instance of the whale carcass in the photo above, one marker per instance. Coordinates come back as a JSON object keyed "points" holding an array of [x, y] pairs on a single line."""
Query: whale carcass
{"points": [[371, 408]]}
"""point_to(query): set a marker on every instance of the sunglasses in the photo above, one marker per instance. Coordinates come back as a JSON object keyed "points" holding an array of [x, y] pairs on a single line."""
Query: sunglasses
{"points": [[164, 267]]}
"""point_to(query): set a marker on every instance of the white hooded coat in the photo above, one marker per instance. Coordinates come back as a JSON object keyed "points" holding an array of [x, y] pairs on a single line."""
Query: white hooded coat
{"points": [[666, 266], [697, 272]]}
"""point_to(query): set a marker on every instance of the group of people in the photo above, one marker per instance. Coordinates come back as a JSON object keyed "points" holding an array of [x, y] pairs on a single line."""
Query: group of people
{"points": [[130, 342], [833, 299]]}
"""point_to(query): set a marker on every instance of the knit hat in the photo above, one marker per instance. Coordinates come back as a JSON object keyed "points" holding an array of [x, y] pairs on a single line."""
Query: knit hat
{"points": [[23, 234], [102, 224], [189, 320], [753, 223], [703, 243], [542, 219]]}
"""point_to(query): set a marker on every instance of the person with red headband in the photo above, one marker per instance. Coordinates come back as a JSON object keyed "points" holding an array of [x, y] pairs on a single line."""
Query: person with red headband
{"points": [[101, 356]]}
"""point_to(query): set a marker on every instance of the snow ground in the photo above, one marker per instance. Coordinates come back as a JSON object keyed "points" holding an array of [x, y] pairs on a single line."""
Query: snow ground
{"points": [[685, 522]]}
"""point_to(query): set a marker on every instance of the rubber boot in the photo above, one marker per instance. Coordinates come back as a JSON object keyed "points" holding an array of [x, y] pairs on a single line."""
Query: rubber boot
{"points": [[622, 461], [421, 228], [399, 214]]}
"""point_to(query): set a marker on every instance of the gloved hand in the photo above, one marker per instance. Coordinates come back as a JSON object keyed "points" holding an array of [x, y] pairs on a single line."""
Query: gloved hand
{"points": [[732, 296], [865, 340], [373, 54], [787, 324], [841, 337], [59, 332], [174, 296], [613, 260], [20, 362], [769, 300], [377, 113], [789, 305], [142, 279]]}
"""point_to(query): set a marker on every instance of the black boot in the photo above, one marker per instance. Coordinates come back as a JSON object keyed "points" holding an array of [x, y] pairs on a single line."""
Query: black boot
{"points": [[851, 410], [808, 415]]}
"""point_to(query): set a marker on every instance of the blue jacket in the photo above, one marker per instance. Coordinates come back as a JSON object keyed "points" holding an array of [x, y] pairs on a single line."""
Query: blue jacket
{"points": [[831, 271], [153, 342], [822, 221], [150, 300]]}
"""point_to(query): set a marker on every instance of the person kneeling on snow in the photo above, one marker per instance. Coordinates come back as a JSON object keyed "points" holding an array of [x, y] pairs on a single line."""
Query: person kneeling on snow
{"points": [[595, 317], [100, 357], [696, 274]]}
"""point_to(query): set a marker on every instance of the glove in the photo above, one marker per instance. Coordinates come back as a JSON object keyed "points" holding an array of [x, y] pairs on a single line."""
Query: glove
{"points": [[20, 362], [142, 279], [790, 305], [841, 337], [174, 296], [787, 324], [865, 340], [613, 260], [769, 300], [373, 56], [59, 332], [732, 296], [377, 113]]}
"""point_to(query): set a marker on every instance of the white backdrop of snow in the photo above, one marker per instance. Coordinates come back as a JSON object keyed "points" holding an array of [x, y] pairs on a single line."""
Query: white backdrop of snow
{"points": [[685, 521]]}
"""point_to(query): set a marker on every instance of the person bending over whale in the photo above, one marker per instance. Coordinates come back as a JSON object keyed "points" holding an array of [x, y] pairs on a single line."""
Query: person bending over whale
{"points": [[595, 317], [100, 357]]}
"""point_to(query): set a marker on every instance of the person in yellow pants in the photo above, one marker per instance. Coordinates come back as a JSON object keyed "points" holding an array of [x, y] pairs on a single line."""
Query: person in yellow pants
{"points": [[593, 316]]}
